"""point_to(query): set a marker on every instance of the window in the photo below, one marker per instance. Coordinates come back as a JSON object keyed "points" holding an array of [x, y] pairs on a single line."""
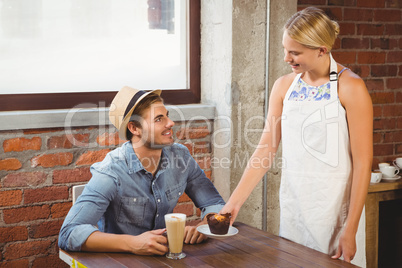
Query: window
{"points": [[59, 54]]}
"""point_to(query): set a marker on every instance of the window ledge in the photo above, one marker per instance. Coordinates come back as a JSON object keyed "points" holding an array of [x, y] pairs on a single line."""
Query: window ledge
{"points": [[91, 117]]}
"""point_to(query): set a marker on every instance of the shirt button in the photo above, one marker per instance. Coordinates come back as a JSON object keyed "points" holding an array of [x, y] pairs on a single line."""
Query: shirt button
{"points": [[157, 215], [179, 193], [135, 199], [159, 200]]}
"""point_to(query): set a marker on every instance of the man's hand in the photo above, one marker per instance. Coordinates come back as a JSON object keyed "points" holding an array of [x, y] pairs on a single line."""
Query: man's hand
{"points": [[149, 243], [192, 236]]}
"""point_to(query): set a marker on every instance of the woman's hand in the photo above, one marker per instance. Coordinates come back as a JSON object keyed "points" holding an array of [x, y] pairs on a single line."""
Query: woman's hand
{"points": [[229, 208], [346, 247]]}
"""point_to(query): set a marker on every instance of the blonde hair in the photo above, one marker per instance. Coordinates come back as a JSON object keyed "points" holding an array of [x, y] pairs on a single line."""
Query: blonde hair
{"points": [[312, 28]]}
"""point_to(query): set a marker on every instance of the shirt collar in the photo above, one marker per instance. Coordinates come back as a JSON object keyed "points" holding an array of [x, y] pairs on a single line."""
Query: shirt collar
{"points": [[134, 164]]}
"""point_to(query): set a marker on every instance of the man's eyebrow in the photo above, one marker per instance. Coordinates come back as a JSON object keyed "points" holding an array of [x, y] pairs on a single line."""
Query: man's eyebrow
{"points": [[158, 116]]}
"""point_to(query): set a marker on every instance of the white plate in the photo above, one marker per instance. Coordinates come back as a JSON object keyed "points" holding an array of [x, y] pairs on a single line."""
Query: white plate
{"points": [[390, 179], [204, 229]]}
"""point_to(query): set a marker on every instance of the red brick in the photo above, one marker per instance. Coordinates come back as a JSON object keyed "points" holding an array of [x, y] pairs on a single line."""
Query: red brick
{"points": [[345, 57], [347, 28], [10, 198], [45, 194], [49, 261], [382, 97], [26, 249], [383, 149], [10, 164], [393, 136], [41, 130], [335, 13], [45, 229], [202, 147], [377, 137], [67, 141], [208, 173], [371, 57], [382, 43], [16, 233], [190, 147], [193, 133], [398, 97], [23, 263], [52, 160], [204, 162], [311, 2], [25, 214], [22, 144], [365, 3], [384, 124], [393, 29], [187, 209], [184, 198], [375, 84], [370, 29], [71, 175], [383, 70], [60, 210], [393, 3], [392, 110], [91, 157], [22, 179], [393, 15], [108, 139], [377, 111], [361, 70], [399, 123], [394, 83], [358, 14], [394, 57], [355, 43], [341, 2], [398, 148]]}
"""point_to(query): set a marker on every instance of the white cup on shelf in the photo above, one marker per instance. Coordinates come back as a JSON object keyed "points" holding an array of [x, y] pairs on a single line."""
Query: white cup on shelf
{"points": [[389, 171], [398, 162]]}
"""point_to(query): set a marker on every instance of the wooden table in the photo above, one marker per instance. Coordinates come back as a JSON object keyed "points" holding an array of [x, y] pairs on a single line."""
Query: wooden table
{"points": [[377, 192], [251, 247]]}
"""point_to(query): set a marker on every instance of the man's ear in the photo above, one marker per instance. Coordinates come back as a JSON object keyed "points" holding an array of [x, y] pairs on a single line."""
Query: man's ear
{"points": [[133, 129]]}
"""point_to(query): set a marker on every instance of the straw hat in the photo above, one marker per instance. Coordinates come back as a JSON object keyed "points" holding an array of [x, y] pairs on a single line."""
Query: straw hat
{"points": [[123, 106]]}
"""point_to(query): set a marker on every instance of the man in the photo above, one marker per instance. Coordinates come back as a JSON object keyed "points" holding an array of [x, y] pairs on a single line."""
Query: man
{"points": [[137, 184]]}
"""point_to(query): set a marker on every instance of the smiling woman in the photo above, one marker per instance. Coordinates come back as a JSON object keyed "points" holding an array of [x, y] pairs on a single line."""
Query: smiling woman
{"points": [[58, 55]]}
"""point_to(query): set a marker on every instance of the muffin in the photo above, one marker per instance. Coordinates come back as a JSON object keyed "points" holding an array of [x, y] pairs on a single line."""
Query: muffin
{"points": [[219, 224]]}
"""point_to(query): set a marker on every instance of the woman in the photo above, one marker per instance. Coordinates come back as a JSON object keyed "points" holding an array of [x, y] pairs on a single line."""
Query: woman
{"points": [[325, 125]]}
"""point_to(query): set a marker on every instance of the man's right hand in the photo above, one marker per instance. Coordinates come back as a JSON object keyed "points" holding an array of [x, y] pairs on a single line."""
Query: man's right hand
{"points": [[149, 243]]}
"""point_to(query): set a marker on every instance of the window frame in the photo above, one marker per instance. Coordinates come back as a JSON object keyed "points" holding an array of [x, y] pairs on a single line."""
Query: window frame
{"points": [[45, 101]]}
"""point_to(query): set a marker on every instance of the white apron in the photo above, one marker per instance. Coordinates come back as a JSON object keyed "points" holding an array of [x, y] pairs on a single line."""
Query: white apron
{"points": [[317, 172]]}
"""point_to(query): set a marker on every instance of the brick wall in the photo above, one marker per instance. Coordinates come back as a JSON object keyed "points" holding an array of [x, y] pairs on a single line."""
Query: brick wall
{"points": [[37, 171], [370, 43]]}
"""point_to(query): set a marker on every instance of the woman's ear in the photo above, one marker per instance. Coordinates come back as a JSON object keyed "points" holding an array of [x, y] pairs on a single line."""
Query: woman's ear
{"points": [[322, 51]]}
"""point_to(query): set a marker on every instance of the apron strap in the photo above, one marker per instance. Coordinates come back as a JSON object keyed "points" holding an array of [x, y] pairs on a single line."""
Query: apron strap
{"points": [[333, 79]]}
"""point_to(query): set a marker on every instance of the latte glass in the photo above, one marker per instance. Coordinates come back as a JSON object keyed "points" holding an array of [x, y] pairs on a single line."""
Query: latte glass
{"points": [[175, 224]]}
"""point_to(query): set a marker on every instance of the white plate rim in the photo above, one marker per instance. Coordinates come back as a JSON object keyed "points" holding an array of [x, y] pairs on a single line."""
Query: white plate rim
{"points": [[397, 177], [204, 229]]}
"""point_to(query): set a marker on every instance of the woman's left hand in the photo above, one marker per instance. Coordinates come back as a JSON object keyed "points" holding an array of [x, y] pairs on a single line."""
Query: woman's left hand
{"points": [[346, 247]]}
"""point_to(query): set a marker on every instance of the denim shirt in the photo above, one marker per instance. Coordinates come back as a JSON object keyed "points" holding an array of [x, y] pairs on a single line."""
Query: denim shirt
{"points": [[127, 199]]}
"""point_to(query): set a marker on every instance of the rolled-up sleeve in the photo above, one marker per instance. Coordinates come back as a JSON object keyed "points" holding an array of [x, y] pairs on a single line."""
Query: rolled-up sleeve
{"points": [[83, 216], [201, 190]]}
